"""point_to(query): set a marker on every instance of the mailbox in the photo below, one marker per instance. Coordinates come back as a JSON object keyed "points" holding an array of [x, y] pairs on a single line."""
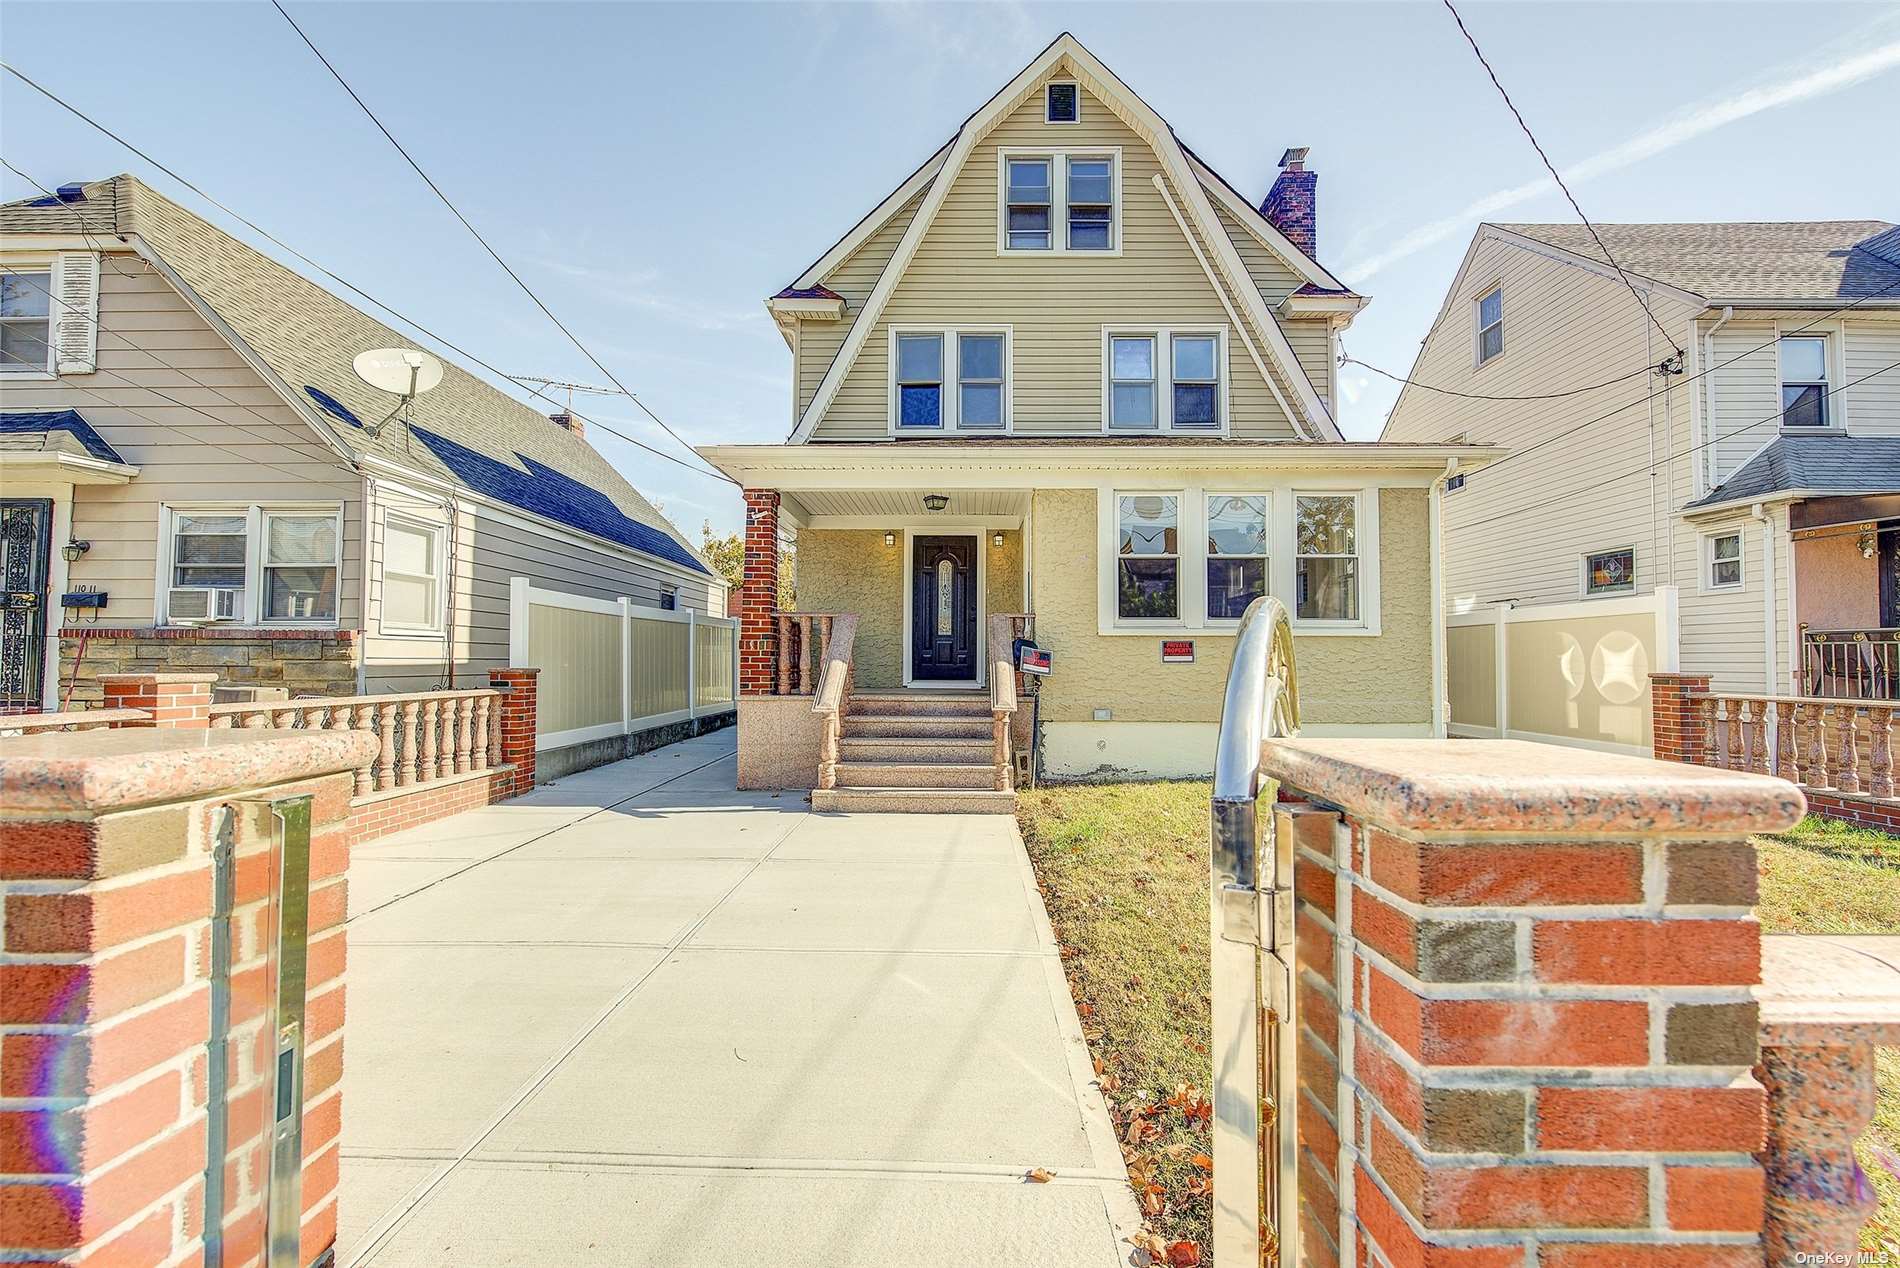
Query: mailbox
{"points": [[1031, 659]]}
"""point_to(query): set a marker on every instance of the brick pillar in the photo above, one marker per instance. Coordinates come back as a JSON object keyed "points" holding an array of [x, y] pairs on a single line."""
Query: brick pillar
{"points": [[178, 701], [1526, 1019], [1675, 720], [758, 596], [106, 980], [517, 720]]}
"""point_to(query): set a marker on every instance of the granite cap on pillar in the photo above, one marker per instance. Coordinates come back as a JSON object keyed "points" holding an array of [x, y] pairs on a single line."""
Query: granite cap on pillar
{"points": [[73, 774], [1504, 788]]}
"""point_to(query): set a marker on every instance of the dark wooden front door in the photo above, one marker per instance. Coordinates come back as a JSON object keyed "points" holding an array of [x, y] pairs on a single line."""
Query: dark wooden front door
{"points": [[26, 539], [943, 609]]}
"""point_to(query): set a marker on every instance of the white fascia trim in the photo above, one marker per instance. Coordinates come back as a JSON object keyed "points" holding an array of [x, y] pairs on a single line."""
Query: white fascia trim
{"points": [[874, 220], [65, 468], [1340, 308], [296, 401], [1155, 131], [103, 241], [1263, 230], [806, 309], [482, 504]]}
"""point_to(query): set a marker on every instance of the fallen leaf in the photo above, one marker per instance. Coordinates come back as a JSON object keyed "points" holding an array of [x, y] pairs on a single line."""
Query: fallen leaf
{"points": [[1182, 1254], [1086, 1010], [1039, 1175], [1202, 1161], [1140, 1130]]}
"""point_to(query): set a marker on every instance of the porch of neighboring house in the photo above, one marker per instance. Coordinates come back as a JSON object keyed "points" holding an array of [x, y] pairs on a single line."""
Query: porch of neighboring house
{"points": [[878, 634], [1847, 596]]}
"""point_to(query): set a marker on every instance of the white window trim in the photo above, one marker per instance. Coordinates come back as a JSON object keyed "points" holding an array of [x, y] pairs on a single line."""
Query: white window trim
{"points": [[1709, 584], [1189, 527], [1282, 575], [1208, 495], [1061, 123], [1359, 502], [1478, 358], [49, 371], [1833, 403], [1583, 573], [1164, 374], [952, 395], [254, 514], [1059, 199], [438, 534]]}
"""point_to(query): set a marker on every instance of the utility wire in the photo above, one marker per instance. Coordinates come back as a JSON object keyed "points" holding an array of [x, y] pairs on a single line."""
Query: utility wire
{"points": [[345, 283], [476, 234], [1477, 396], [1552, 169], [1653, 467]]}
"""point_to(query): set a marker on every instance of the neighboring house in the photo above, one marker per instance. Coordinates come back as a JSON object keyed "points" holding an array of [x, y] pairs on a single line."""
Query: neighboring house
{"points": [[1753, 487], [1066, 370], [181, 433]]}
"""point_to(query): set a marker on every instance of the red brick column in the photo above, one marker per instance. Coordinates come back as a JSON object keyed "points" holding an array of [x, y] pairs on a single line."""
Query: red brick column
{"points": [[517, 719], [176, 700], [758, 596], [1525, 1008], [1676, 730], [106, 978]]}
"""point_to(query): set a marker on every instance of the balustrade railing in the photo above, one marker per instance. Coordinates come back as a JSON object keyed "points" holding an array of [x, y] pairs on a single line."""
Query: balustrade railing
{"points": [[803, 638], [425, 736], [1005, 628], [1851, 664], [833, 695], [76, 720], [1823, 743]]}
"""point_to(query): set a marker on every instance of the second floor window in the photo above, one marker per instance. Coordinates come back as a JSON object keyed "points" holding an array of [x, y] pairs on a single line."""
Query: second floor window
{"points": [[26, 332], [950, 380], [1804, 381], [979, 380], [1058, 201], [1189, 399], [920, 380], [1091, 204], [1491, 325]]}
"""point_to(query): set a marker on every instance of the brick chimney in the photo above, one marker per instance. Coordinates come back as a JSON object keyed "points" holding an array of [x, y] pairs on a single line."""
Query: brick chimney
{"points": [[571, 422], [1292, 204]]}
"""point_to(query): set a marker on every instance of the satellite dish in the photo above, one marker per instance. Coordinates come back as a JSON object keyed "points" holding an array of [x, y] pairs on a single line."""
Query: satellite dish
{"points": [[404, 372]]}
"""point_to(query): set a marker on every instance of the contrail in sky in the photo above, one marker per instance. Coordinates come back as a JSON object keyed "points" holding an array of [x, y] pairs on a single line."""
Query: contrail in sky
{"points": [[1691, 123]]}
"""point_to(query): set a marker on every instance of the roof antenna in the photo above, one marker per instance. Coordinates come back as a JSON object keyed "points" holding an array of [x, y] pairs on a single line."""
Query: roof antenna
{"points": [[404, 372], [534, 381]]}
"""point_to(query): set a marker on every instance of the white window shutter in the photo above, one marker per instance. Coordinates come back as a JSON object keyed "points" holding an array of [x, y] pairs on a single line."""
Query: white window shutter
{"points": [[76, 313]]}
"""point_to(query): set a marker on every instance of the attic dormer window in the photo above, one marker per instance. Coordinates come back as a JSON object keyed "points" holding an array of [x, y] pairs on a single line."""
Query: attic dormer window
{"points": [[1059, 201], [1062, 102]]}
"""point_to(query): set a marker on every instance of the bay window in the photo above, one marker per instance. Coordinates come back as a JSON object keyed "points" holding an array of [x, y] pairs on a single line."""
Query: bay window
{"points": [[1148, 570], [1326, 556], [1236, 553]]}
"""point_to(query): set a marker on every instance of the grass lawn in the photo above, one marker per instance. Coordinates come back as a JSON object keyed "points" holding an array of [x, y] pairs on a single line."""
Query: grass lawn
{"points": [[1123, 868]]}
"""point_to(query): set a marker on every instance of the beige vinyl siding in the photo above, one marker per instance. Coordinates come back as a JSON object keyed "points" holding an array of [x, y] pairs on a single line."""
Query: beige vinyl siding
{"points": [[1520, 531], [1056, 303], [489, 550], [1872, 408], [1722, 630], [1313, 347], [230, 438], [1746, 387], [853, 278], [1310, 340]]}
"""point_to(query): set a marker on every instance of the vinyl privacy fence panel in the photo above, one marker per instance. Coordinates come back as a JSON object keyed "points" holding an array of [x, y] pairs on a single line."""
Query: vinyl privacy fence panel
{"points": [[612, 666]]}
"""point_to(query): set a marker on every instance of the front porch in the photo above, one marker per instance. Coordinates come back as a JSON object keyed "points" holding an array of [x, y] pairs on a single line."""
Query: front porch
{"points": [[1846, 582]]}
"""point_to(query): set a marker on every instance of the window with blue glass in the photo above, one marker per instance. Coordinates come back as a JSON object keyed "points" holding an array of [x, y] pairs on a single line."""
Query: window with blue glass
{"points": [[1196, 381], [1091, 204], [1059, 201], [1029, 199], [920, 380], [979, 381], [1164, 380]]}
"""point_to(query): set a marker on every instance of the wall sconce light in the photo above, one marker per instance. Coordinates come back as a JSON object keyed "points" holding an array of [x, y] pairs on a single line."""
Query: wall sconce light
{"points": [[73, 549], [935, 501], [996, 540], [890, 539], [1869, 545]]}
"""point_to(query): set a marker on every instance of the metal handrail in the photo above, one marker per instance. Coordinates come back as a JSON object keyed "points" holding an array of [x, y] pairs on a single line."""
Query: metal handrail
{"points": [[1263, 701]]}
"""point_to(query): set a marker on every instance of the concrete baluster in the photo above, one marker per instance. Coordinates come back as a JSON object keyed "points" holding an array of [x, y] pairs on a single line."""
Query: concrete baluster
{"points": [[407, 772], [1880, 781], [1846, 752], [1758, 737], [1785, 765], [385, 714], [464, 709], [1817, 772], [428, 733], [478, 750]]}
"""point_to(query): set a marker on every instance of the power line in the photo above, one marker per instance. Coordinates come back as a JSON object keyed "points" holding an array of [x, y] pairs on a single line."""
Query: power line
{"points": [[1653, 467], [476, 234], [1552, 169], [345, 283], [1476, 396]]}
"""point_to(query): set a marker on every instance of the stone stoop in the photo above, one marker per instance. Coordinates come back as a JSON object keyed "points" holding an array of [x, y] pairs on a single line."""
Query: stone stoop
{"points": [[919, 752]]}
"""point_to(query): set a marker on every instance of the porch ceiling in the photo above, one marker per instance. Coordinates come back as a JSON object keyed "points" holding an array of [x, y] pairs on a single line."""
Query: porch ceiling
{"points": [[903, 506]]}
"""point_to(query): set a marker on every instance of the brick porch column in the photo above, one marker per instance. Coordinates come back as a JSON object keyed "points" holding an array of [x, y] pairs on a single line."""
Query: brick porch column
{"points": [[758, 596], [1526, 1019], [1676, 730], [520, 698], [180, 701]]}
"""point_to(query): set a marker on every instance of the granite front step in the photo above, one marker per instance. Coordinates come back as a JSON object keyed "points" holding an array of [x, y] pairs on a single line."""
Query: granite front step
{"points": [[915, 750], [916, 726], [955, 801], [915, 775], [920, 703]]}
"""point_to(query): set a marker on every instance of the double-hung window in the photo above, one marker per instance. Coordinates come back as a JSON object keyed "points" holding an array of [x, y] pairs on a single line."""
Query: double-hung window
{"points": [[300, 566], [282, 563], [1030, 197], [1804, 381], [26, 322], [210, 549], [1059, 201], [412, 575], [1725, 561], [950, 380], [1148, 564], [1326, 550], [1236, 553], [1091, 204], [1188, 399], [1490, 324]]}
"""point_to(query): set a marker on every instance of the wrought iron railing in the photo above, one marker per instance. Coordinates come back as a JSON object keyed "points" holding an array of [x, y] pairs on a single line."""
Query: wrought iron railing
{"points": [[1251, 950], [1851, 664]]}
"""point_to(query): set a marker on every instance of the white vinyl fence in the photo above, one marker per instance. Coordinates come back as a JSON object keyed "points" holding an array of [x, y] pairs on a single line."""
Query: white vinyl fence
{"points": [[1564, 673], [612, 666]]}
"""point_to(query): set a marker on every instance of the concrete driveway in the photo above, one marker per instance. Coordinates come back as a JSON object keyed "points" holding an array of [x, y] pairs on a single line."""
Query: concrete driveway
{"points": [[638, 1017]]}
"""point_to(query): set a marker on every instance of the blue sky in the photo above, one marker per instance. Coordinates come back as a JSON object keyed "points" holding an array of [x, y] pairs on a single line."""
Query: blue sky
{"points": [[656, 170]]}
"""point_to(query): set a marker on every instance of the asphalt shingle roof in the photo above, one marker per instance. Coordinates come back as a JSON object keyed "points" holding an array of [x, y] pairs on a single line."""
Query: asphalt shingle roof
{"points": [[53, 431], [309, 337], [1823, 464], [1796, 260]]}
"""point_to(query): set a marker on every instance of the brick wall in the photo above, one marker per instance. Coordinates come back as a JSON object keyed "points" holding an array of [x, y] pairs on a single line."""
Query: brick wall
{"points": [[305, 662], [107, 886], [1676, 729], [1526, 1026], [758, 596], [380, 814]]}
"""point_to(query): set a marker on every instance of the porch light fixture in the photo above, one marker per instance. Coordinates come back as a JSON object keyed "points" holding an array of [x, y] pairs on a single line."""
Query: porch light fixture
{"points": [[996, 540], [890, 539], [1868, 543], [935, 501], [73, 549]]}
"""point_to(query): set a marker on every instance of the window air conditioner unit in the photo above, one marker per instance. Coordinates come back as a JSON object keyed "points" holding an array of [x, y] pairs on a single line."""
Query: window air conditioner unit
{"points": [[201, 604]]}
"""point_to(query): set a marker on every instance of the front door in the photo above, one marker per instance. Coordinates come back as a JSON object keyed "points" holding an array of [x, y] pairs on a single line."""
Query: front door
{"points": [[26, 540], [943, 609]]}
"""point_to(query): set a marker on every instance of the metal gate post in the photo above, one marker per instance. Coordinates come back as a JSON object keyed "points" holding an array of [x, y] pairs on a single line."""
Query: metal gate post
{"points": [[1234, 949], [283, 1191]]}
